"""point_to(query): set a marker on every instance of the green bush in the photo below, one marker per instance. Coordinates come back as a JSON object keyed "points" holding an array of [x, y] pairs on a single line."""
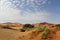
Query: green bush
{"points": [[27, 27], [22, 30], [58, 26], [45, 34], [40, 29], [37, 30]]}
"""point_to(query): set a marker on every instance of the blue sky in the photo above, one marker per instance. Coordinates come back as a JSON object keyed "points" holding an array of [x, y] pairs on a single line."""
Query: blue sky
{"points": [[30, 11], [54, 9]]}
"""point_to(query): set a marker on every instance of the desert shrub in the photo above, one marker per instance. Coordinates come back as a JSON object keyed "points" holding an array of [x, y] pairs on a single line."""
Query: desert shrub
{"points": [[37, 30], [53, 26], [22, 30], [6, 27], [45, 34], [40, 29], [27, 27], [58, 26]]}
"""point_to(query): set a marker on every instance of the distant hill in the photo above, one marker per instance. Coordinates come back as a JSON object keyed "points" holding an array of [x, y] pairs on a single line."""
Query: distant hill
{"points": [[44, 24]]}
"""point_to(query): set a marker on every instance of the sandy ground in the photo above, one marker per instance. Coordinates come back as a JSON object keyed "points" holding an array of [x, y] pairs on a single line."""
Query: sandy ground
{"points": [[8, 34]]}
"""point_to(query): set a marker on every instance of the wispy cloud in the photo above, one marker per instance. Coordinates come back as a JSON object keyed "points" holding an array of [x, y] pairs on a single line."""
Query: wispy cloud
{"points": [[10, 13], [29, 5]]}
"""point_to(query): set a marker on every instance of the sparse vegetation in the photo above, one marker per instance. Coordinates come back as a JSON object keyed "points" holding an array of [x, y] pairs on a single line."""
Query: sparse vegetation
{"points": [[6, 27], [45, 34], [41, 29], [58, 26], [38, 32]]}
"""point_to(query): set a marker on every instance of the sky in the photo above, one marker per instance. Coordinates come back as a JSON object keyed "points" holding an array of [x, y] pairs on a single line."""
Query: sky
{"points": [[30, 11]]}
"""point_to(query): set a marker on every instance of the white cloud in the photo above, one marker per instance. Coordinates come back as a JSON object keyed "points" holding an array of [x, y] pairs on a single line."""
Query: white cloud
{"points": [[35, 16], [29, 5], [7, 13], [13, 15]]}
